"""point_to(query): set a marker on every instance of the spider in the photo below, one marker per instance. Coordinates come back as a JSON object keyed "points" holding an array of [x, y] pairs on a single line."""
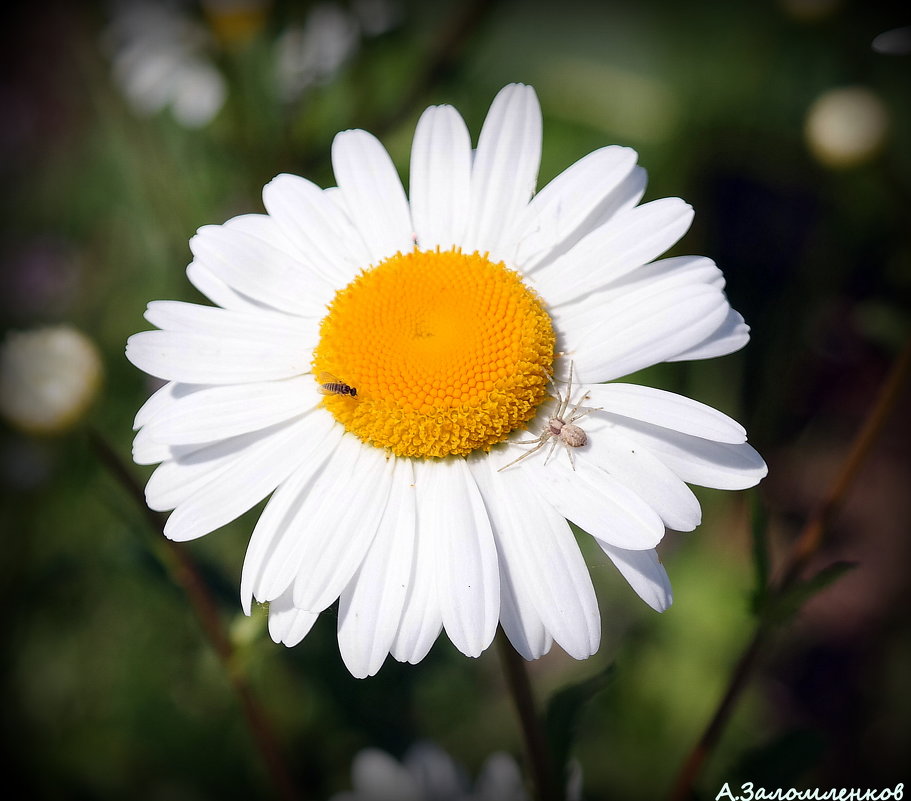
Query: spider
{"points": [[559, 428]]}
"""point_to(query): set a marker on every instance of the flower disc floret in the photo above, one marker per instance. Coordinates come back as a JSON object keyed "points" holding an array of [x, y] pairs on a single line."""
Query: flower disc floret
{"points": [[448, 352]]}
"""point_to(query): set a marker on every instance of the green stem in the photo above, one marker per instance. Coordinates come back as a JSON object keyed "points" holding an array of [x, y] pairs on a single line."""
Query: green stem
{"points": [[184, 572], [800, 554], [537, 754]]}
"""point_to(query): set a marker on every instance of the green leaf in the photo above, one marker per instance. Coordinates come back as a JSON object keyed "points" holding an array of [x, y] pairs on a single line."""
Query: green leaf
{"points": [[784, 760], [562, 717], [789, 603]]}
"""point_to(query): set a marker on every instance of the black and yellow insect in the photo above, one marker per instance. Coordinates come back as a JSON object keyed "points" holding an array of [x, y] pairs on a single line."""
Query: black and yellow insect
{"points": [[330, 385]]}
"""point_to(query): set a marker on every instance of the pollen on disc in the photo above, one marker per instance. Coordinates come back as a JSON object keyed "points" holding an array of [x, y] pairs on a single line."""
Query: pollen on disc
{"points": [[448, 353]]}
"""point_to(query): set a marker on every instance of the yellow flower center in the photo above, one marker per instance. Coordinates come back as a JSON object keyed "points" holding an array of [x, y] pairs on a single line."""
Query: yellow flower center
{"points": [[447, 353]]}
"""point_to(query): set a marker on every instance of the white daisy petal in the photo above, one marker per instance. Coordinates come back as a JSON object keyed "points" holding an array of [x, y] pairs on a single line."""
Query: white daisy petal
{"points": [[422, 619], [220, 412], [373, 193], [289, 625], [640, 329], [147, 451], [174, 315], [269, 230], [628, 241], [440, 178], [322, 540], [265, 228], [281, 507], [158, 400], [469, 581], [218, 291], [206, 359], [352, 515], [644, 474], [595, 501], [519, 616], [697, 461], [505, 170], [665, 409], [260, 270], [190, 468], [730, 336], [520, 621], [319, 230], [540, 555], [243, 483], [666, 273], [562, 212], [295, 508], [626, 195], [371, 606], [645, 574]]}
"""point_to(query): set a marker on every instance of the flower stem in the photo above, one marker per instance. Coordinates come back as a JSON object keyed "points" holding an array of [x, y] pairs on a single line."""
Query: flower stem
{"points": [[799, 555], [537, 753], [184, 572]]}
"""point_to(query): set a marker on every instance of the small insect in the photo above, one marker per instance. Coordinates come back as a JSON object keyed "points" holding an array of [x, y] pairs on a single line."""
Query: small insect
{"points": [[561, 427], [330, 385]]}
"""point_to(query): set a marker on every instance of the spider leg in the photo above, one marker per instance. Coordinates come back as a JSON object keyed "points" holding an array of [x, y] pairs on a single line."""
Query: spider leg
{"points": [[559, 407], [569, 394], [570, 454], [550, 452], [525, 455], [578, 416], [575, 414]]}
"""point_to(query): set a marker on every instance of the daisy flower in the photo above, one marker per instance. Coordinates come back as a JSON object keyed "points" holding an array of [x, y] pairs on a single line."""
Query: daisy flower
{"points": [[372, 356]]}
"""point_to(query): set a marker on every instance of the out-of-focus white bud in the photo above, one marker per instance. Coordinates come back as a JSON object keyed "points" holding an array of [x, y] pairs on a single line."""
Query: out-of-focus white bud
{"points": [[847, 126], [48, 378]]}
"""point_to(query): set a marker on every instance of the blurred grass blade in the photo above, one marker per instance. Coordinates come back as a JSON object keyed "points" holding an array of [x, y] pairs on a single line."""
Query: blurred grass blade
{"points": [[759, 520]]}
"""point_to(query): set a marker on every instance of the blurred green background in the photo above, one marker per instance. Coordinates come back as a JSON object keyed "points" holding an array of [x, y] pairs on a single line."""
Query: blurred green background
{"points": [[110, 690]]}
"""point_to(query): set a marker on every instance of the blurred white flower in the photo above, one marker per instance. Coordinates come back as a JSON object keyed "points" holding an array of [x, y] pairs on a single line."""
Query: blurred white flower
{"points": [[314, 53], [159, 59], [846, 126], [894, 42], [428, 773], [48, 378]]}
